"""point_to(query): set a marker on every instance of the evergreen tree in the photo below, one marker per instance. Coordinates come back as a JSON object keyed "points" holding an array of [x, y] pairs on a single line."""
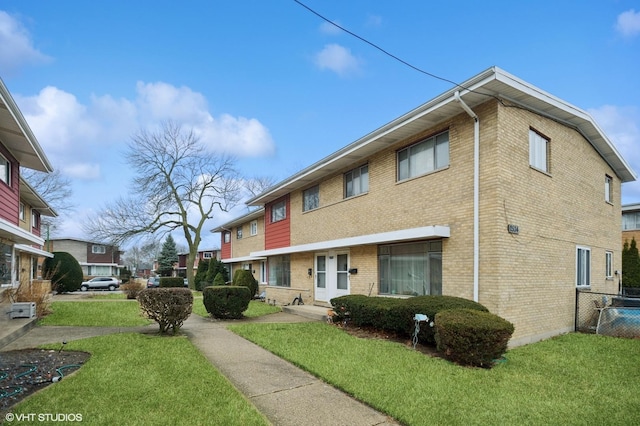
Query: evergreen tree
{"points": [[201, 274], [630, 264], [168, 256], [216, 267]]}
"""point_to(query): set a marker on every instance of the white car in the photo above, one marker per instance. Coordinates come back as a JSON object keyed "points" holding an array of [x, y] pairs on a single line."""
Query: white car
{"points": [[101, 282]]}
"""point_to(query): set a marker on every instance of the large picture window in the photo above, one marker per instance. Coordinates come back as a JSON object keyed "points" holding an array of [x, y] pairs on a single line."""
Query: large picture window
{"points": [[311, 198], [538, 151], [413, 269], [423, 157], [583, 266], [356, 181], [280, 271]]}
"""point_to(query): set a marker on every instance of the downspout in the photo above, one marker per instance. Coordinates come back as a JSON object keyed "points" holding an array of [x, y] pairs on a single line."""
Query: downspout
{"points": [[476, 193]]}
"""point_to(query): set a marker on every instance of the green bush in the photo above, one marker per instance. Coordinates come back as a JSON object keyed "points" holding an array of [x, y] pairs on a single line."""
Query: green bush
{"points": [[64, 271], [226, 301], [219, 280], [201, 274], [171, 282], [169, 307], [472, 337], [396, 314], [244, 277]]}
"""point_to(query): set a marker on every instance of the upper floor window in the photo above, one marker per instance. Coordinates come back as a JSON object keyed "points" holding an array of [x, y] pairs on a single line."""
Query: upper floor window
{"points": [[583, 266], [96, 249], [22, 212], [538, 151], [630, 221], [239, 233], [35, 219], [227, 237], [207, 255], [253, 227], [5, 170], [608, 189], [424, 157], [356, 181], [279, 211], [311, 198]]}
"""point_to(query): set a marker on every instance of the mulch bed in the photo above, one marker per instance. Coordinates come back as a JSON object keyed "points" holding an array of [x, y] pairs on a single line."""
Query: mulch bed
{"points": [[372, 333], [26, 371]]}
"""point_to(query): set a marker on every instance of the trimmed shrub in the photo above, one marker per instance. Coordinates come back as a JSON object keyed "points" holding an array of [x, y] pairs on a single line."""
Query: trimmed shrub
{"points": [[64, 271], [132, 288], [219, 280], [472, 337], [171, 282], [226, 301], [244, 277], [169, 307]]}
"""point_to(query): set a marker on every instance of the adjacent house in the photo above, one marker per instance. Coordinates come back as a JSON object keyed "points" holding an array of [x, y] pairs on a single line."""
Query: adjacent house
{"points": [[180, 269], [95, 258], [631, 223], [21, 208], [494, 191]]}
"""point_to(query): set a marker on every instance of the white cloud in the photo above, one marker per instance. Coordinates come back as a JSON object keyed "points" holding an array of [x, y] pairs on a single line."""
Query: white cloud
{"points": [[628, 23], [83, 171], [338, 59], [620, 125], [16, 46]]}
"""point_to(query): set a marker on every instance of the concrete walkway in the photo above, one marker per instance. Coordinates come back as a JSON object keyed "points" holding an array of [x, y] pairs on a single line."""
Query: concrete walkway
{"points": [[285, 394]]}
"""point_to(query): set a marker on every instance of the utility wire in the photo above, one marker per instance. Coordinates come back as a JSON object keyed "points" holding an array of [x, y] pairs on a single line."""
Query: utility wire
{"points": [[384, 51]]}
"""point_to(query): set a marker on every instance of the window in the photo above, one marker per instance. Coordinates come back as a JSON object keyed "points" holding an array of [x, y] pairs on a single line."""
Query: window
{"points": [[239, 233], [22, 212], [227, 237], [583, 266], [424, 157], [253, 227], [98, 250], [311, 198], [608, 189], [630, 221], [279, 271], [279, 211], [35, 219], [608, 268], [538, 151], [5, 170], [6, 252], [356, 181], [207, 255], [413, 269]]}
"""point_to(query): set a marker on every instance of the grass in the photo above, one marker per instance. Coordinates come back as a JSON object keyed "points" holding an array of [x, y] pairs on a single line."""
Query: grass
{"points": [[109, 296], [255, 309], [125, 313], [572, 379], [136, 379]]}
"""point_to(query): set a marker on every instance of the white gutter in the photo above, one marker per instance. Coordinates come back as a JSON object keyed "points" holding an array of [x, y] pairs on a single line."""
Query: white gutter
{"points": [[476, 192]]}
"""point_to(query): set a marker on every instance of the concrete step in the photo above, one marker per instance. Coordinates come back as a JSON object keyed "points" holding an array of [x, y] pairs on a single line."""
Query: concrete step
{"points": [[11, 329], [318, 313]]}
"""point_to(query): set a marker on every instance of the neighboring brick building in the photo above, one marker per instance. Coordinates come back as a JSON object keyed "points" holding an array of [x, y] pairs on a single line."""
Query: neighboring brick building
{"points": [[95, 258], [180, 269], [631, 223], [494, 191]]}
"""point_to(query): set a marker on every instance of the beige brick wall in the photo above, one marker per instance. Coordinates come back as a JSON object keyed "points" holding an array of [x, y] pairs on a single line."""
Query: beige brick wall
{"points": [[248, 243]]}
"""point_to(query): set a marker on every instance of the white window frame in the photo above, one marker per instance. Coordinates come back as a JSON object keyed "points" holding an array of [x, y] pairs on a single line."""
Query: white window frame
{"points": [[630, 221], [207, 255], [227, 237], [608, 189], [239, 233], [583, 266], [35, 222], [5, 170], [608, 267], [279, 211], [424, 157], [356, 181], [98, 249], [22, 212], [538, 151], [311, 198], [253, 228]]}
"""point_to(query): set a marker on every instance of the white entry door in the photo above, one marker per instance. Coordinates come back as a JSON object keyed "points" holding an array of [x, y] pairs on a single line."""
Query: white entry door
{"points": [[332, 275]]}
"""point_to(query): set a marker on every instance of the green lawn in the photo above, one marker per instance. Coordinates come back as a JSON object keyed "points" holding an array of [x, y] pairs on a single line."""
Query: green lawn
{"points": [[255, 309], [572, 379], [135, 379], [125, 313]]}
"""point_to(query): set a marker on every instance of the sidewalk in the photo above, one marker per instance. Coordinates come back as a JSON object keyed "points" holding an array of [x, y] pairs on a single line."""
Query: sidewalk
{"points": [[285, 394]]}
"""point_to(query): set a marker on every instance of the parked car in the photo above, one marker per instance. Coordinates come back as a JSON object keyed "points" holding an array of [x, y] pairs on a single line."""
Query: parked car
{"points": [[153, 282], [110, 283]]}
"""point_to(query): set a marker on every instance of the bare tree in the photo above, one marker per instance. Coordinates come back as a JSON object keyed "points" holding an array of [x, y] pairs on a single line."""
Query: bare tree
{"points": [[179, 185], [55, 189]]}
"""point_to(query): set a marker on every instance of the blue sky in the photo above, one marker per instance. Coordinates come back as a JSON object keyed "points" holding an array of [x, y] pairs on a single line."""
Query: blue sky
{"points": [[279, 88]]}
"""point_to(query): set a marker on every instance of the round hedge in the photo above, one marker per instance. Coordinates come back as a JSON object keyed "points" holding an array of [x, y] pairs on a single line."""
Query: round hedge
{"points": [[64, 271]]}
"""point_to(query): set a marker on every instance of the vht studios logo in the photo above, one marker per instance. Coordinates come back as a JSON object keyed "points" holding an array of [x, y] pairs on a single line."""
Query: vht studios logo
{"points": [[43, 417]]}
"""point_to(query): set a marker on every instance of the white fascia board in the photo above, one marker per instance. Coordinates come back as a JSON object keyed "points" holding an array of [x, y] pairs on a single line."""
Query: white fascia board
{"points": [[18, 235], [32, 250], [412, 234], [242, 259]]}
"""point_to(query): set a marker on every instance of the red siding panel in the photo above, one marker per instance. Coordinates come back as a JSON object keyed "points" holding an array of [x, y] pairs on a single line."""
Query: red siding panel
{"points": [[277, 234], [10, 195], [225, 250]]}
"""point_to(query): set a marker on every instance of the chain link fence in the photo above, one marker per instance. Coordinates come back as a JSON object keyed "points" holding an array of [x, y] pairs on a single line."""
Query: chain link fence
{"points": [[609, 314]]}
